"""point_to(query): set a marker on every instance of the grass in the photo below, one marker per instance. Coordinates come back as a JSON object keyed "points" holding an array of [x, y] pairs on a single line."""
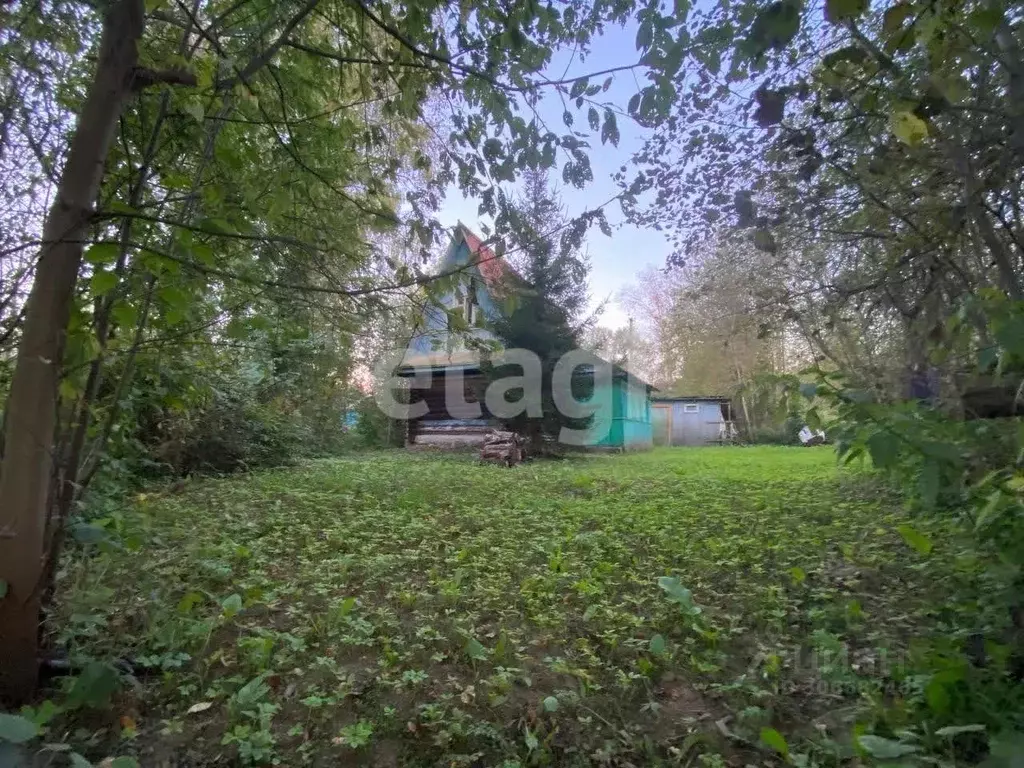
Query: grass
{"points": [[398, 609]]}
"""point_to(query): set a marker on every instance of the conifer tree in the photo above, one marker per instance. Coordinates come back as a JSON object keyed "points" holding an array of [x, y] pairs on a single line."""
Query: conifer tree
{"points": [[549, 314]]}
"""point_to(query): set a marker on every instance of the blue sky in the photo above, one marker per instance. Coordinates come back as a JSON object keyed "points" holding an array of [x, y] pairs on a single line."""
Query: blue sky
{"points": [[615, 260]]}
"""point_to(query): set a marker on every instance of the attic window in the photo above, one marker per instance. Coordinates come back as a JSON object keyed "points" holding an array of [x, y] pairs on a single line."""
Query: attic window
{"points": [[691, 408]]}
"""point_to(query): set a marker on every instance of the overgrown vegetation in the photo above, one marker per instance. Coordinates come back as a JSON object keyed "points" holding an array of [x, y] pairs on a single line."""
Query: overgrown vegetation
{"points": [[967, 474], [215, 216], [684, 607]]}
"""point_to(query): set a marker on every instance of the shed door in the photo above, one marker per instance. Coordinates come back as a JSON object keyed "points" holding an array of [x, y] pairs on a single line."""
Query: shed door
{"points": [[661, 423]]}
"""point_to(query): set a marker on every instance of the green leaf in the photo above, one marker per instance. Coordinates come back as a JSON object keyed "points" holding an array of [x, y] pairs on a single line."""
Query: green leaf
{"points": [[775, 740], [771, 106], [908, 127], [117, 206], [894, 17], [1005, 750], [578, 87], [851, 53], [42, 714], [841, 10], [885, 749], [915, 539], [218, 226], [986, 19], [345, 607], [102, 253], [993, 509], [77, 761], [610, 129], [252, 692], [884, 448], [94, 686], [594, 119], [194, 109], [937, 697], [677, 593], [124, 314], [231, 605], [88, 533], [16, 729], [173, 296], [550, 704], [644, 36], [203, 254], [124, 762], [799, 575], [928, 483], [102, 282], [189, 601], [475, 649], [775, 27], [657, 645], [956, 730], [530, 739], [808, 389]]}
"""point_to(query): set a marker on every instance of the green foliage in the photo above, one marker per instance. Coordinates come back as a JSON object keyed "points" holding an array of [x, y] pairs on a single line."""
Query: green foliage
{"points": [[16, 729], [93, 687], [373, 429], [679, 594], [775, 740], [357, 735], [769, 413], [391, 603], [962, 476]]}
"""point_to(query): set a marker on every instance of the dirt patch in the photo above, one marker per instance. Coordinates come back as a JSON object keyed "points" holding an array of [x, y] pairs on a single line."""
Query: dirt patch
{"points": [[682, 709]]}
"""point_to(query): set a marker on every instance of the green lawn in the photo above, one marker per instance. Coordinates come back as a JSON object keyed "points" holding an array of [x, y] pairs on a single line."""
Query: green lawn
{"points": [[398, 609]]}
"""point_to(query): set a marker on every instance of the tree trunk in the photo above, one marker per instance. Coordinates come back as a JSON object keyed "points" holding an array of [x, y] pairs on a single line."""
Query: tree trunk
{"points": [[32, 404]]}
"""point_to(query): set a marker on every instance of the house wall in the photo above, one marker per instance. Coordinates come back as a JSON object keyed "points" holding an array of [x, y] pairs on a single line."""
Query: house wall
{"points": [[699, 424], [433, 335], [443, 427]]}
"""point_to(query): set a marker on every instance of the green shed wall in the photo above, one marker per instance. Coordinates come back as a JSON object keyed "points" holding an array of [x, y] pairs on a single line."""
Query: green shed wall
{"points": [[629, 422]]}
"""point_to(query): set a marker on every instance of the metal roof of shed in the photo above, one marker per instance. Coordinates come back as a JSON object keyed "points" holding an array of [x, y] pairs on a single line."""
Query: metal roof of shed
{"points": [[690, 399]]}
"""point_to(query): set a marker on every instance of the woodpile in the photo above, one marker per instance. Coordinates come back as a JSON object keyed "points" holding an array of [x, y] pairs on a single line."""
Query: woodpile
{"points": [[502, 448]]}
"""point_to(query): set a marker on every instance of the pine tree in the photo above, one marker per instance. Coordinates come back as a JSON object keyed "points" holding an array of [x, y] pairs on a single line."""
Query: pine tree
{"points": [[550, 312]]}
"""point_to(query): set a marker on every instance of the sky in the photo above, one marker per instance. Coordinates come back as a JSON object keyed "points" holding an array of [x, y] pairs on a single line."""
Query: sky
{"points": [[616, 260]]}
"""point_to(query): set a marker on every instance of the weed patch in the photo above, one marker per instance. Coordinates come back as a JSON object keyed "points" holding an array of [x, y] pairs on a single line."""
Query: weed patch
{"points": [[410, 609]]}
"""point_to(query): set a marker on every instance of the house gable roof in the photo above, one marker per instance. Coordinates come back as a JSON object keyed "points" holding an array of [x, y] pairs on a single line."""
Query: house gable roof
{"points": [[496, 272]]}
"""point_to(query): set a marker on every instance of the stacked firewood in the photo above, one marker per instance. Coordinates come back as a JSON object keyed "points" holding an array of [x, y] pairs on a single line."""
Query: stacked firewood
{"points": [[502, 447]]}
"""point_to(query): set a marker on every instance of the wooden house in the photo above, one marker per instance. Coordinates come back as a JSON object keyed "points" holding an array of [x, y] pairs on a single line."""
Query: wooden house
{"points": [[440, 357]]}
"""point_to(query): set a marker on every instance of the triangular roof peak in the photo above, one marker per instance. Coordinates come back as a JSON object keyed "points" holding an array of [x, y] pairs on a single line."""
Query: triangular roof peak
{"points": [[494, 269]]}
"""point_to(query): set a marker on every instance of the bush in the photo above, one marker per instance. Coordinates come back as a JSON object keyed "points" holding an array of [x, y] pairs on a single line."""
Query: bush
{"points": [[373, 429], [966, 475], [786, 433], [227, 433]]}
